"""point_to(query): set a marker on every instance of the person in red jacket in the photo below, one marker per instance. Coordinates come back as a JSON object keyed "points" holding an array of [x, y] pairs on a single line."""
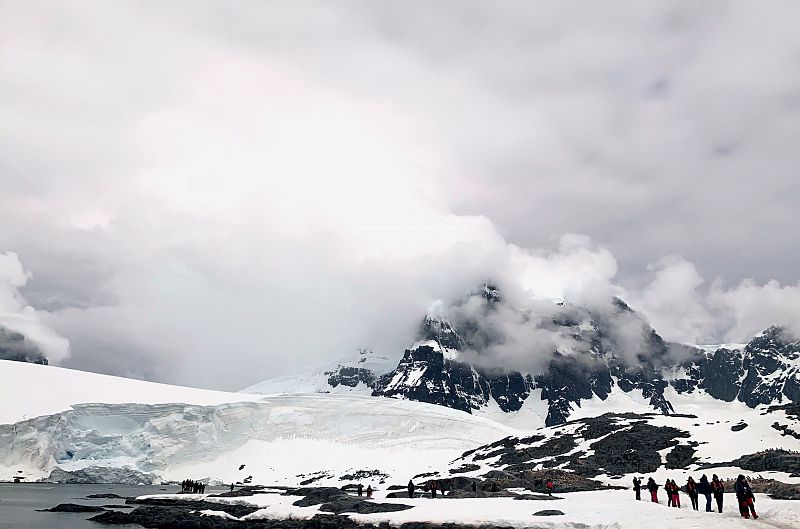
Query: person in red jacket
{"points": [[549, 485], [676, 495], [668, 491], [717, 489], [691, 490]]}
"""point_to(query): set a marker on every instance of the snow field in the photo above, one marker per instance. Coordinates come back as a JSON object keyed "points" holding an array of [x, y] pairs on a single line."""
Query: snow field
{"points": [[582, 510]]}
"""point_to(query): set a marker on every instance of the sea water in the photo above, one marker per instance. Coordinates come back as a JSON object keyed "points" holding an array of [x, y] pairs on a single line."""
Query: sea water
{"points": [[19, 503]]}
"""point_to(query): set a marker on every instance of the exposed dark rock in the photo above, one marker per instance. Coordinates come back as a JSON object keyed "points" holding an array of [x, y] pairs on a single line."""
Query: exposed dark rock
{"points": [[634, 449], [681, 457], [14, 346], [105, 496], [739, 427], [548, 512], [364, 474], [316, 495], [535, 481], [776, 460], [351, 377], [73, 507], [466, 467], [240, 492], [358, 505]]}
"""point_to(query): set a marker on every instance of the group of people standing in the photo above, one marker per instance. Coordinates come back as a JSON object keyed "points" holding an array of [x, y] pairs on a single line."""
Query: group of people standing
{"points": [[715, 488], [360, 490], [189, 485]]}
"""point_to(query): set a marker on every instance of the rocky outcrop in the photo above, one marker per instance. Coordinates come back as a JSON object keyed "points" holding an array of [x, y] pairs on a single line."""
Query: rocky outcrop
{"points": [[74, 507], [14, 346]]}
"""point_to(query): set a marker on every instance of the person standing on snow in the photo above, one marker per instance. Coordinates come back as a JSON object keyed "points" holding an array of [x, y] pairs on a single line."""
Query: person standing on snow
{"points": [[637, 488], [652, 486], [676, 495], [549, 486], [691, 490], [369, 492], [745, 496], [410, 489], [704, 488], [718, 489], [668, 491], [434, 486], [360, 489]]}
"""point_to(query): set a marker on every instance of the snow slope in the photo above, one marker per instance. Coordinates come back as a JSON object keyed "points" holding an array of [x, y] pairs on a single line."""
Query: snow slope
{"points": [[30, 390], [318, 380], [175, 433]]}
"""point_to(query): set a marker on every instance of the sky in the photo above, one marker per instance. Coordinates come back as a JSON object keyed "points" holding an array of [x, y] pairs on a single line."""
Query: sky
{"points": [[212, 194]]}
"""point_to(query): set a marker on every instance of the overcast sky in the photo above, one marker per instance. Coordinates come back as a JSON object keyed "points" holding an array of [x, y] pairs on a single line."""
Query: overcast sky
{"points": [[216, 193]]}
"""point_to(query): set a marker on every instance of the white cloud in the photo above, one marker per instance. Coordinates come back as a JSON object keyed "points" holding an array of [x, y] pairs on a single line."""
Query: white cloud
{"points": [[17, 315], [279, 183]]}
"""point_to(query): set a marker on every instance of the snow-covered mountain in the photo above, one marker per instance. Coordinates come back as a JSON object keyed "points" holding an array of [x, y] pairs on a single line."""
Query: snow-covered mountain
{"points": [[444, 367]]}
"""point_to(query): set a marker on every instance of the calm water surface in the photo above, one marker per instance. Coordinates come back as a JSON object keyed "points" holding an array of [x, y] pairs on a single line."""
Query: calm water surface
{"points": [[19, 503]]}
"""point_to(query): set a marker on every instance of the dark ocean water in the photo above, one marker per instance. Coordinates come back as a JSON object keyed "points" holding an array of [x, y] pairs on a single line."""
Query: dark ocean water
{"points": [[19, 503]]}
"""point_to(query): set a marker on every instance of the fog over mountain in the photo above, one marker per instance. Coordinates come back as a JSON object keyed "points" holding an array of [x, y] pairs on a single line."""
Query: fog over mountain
{"points": [[211, 196]]}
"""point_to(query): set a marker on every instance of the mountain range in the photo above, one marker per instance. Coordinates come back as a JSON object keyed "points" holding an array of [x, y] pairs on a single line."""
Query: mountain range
{"points": [[444, 366]]}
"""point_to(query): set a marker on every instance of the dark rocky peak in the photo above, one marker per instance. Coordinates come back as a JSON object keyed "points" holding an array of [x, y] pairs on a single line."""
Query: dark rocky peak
{"points": [[772, 368], [490, 292], [774, 341], [438, 329], [15, 346]]}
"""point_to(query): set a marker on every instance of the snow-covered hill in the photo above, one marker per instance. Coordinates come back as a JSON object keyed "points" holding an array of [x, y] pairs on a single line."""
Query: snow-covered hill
{"points": [[30, 390], [355, 374], [75, 421]]}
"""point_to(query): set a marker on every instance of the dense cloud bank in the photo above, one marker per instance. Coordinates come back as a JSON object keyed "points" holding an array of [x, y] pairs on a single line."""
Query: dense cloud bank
{"points": [[268, 184]]}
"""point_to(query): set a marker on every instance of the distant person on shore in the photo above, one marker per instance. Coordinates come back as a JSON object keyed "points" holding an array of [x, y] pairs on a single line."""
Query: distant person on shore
{"points": [[718, 489], [434, 486], [704, 488], [360, 489], [652, 486], [410, 489], [369, 492], [231, 487], [637, 488], [745, 497], [549, 486], [691, 490]]}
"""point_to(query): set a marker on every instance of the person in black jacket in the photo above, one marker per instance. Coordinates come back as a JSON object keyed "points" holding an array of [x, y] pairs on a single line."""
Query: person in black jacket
{"points": [[410, 489], [745, 497], [704, 488], [718, 489], [637, 487], [652, 486]]}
